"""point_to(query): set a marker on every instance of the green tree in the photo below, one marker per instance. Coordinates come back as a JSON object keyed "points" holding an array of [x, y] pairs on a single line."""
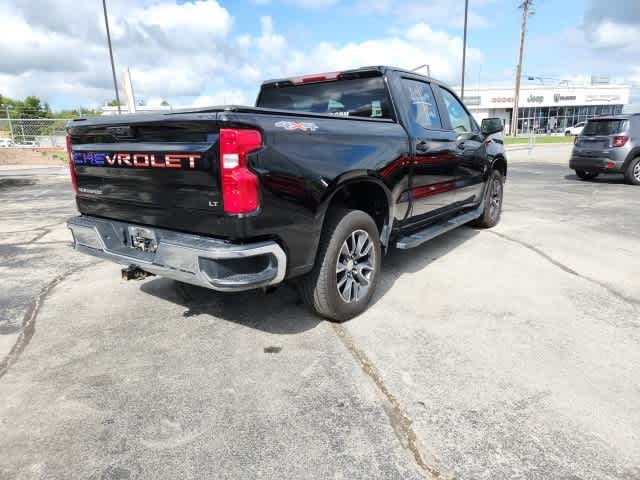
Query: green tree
{"points": [[31, 107]]}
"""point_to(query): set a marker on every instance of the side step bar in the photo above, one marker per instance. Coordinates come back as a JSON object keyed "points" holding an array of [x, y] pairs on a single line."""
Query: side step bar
{"points": [[432, 231]]}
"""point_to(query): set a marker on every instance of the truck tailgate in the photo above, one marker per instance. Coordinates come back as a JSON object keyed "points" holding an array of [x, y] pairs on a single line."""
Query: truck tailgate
{"points": [[158, 173]]}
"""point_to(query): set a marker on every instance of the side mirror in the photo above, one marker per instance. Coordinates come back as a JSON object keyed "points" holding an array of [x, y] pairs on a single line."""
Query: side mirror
{"points": [[490, 126]]}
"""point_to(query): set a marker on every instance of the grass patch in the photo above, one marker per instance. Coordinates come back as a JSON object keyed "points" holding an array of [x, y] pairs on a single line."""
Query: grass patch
{"points": [[540, 139]]}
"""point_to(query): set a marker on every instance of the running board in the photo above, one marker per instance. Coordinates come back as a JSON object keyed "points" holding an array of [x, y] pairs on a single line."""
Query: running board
{"points": [[432, 231]]}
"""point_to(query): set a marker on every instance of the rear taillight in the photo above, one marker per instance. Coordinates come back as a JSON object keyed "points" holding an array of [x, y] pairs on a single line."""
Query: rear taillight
{"points": [[72, 167], [620, 141], [239, 185]]}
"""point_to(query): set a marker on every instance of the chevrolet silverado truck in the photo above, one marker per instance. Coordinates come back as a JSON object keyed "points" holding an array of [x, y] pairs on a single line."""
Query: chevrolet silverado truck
{"points": [[315, 183]]}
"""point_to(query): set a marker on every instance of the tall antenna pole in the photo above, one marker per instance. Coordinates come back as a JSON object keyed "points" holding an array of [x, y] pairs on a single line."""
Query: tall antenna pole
{"points": [[464, 47], [523, 31], [113, 67]]}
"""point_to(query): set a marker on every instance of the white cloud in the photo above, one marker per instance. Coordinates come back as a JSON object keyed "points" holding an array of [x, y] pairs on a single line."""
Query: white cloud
{"points": [[421, 45], [224, 97], [187, 54], [611, 34], [202, 16]]}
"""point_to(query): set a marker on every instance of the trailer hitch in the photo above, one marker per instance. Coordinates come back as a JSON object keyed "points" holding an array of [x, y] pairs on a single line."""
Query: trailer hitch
{"points": [[133, 272]]}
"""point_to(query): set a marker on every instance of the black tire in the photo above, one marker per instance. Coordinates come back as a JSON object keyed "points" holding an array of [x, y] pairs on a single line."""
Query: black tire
{"points": [[567, 133], [586, 175], [493, 197], [632, 173], [319, 288]]}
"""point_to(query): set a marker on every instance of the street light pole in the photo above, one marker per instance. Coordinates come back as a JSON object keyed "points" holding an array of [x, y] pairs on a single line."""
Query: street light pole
{"points": [[113, 67], [464, 47], [523, 30]]}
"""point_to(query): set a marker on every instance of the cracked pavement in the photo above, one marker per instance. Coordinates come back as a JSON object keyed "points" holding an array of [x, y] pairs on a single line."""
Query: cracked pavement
{"points": [[499, 354]]}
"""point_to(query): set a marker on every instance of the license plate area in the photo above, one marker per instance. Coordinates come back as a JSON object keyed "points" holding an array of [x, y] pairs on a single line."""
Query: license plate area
{"points": [[143, 239]]}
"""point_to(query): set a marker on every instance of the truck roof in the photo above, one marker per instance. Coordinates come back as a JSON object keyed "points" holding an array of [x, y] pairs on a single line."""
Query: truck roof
{"points": [[351, 73]]}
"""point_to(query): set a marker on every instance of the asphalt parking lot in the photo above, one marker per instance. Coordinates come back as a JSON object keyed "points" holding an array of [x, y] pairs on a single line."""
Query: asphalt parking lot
{"points": [[512, 353]]}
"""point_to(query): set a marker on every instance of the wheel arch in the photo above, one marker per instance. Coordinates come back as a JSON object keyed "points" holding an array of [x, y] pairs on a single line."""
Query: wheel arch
{"points": [[500, 163], [365, 193], [633, 154]]}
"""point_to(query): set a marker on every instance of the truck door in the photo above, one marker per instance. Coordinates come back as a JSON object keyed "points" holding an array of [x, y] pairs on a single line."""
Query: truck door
{"points": [[470, 156], [433, 153]]}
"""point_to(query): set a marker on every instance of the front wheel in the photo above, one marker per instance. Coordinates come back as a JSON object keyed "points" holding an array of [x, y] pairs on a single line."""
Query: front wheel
{"points": [[345, 275], [586, 175], [492, 202]]}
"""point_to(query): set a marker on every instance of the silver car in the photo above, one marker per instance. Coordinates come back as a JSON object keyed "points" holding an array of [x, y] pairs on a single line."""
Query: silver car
{"points": [[608, 145]]}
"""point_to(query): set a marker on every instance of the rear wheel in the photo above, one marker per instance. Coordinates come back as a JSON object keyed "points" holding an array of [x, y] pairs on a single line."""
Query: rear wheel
{"points": [[345, 275], [492, 202], [632, 174], [586, 174]]}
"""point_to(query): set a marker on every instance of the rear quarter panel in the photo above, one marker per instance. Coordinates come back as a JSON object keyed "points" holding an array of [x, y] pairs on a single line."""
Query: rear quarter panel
{"points": [[300, 170]]}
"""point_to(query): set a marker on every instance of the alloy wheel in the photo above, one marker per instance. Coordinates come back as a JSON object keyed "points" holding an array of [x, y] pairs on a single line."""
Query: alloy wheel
{"points": [[355, 266], [495, 198]]}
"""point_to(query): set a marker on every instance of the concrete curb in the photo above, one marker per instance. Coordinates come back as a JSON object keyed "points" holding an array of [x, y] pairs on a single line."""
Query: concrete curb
{"points": [[525, 146]]}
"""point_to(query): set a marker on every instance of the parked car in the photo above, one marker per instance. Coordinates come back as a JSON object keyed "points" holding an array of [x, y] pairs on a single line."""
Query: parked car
{"points": [[608, 145], [6, 143], [575, 130], [315, 183], [28, 144]]}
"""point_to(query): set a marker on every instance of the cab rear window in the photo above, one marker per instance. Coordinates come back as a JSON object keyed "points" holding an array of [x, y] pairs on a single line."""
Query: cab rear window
{"points": [[604, 127], [358, 97]]}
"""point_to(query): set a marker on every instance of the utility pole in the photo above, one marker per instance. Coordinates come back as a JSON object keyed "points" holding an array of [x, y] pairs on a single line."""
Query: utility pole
{"points": [[113, 67], [525, 5], [464, 47]]}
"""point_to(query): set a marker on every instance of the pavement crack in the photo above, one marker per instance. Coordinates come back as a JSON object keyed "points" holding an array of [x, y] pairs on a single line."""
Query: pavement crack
{"points": [[43, 233], [35, 229], [28, 325], [400, 421], [621, 296]]}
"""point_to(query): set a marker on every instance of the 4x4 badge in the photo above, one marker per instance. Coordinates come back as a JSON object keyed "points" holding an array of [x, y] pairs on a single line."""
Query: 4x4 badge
{"points": [[304, 126]]}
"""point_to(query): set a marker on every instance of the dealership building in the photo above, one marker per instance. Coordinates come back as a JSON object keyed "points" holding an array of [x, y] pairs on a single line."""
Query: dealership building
{"points": [[548, 108]]}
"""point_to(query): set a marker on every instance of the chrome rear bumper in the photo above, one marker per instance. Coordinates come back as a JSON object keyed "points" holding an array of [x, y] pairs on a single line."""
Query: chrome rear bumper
{"points": [[203, 261]]}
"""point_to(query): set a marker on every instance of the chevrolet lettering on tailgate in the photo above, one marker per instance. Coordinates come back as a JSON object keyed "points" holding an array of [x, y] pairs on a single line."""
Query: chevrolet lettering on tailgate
{"points": [[137, 160]]}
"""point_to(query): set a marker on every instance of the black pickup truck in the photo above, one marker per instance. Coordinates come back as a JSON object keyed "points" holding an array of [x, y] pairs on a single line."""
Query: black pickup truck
{"points": [[315, 182]]}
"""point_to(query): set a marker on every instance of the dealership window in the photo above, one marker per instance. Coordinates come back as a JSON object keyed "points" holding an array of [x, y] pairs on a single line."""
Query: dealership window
{"points": [[538, 119]]}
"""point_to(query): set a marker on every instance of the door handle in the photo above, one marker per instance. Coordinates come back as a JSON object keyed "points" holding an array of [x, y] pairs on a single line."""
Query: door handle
{"points": [[461, 145]]}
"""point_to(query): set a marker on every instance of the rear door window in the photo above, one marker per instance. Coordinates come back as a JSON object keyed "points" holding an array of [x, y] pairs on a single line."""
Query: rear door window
{"points": [[422, 105], [604, 127], [358, 97]]}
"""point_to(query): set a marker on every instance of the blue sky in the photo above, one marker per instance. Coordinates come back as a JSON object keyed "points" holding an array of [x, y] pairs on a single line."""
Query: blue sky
{"points": [[204, 52]]}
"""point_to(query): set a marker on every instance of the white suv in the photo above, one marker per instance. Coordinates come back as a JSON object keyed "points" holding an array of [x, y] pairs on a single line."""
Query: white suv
{"points": [[575, 130], [6, 143]]}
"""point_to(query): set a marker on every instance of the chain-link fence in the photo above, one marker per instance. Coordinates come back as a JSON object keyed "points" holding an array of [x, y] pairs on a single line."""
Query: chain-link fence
{"points": [[34, 132]]}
